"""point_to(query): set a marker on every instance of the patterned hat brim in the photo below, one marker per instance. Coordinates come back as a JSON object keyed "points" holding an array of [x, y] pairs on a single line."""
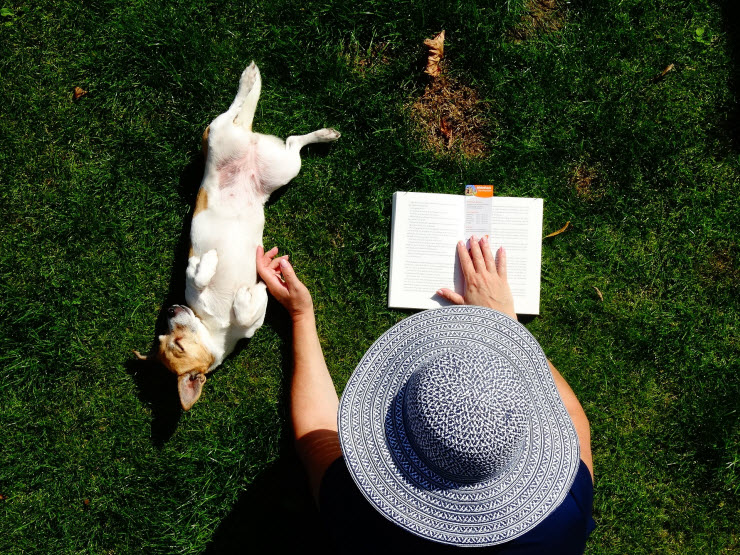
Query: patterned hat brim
{"points": [[401, 486]]}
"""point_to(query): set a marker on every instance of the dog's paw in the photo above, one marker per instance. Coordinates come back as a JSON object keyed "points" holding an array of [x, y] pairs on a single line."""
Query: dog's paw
{"points": [[201, 270], [192, 269], [249, 78], [243, 298], [243, 307], [328, 134]]}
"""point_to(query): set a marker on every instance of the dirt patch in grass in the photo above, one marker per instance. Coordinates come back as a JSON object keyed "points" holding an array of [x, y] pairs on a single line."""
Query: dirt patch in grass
{"points": [[542, 16], [721, 267], [367, 60], [451, 119], [587, 182]]}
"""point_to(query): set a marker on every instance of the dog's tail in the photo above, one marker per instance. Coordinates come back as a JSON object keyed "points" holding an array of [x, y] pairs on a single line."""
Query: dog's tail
{"points": [[245, 103]]}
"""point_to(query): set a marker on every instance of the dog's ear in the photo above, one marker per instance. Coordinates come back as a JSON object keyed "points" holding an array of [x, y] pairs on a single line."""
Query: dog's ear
{"points": [[190, 386], [150, 356]]}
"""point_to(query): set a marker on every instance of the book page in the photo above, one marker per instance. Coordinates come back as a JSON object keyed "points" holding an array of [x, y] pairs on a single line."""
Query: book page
{"points": [[424, 235], [516, 223], [425, 231]]}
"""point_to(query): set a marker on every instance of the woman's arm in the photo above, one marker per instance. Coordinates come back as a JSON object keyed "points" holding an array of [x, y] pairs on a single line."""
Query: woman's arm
{"points": [[313, 398]]}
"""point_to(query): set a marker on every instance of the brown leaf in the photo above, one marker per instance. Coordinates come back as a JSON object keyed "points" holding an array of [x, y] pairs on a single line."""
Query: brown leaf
{"points": [[665, 72], [601, 297], [559, 231], [436, 47], [446, 129], [79, 92]]}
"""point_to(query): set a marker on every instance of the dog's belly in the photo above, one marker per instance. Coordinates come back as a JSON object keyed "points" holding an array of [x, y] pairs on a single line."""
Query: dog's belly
{"points": [[235, 240], [244, 167]]}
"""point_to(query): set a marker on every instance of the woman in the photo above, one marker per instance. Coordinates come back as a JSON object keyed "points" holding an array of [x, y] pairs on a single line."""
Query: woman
{"points": [[470, 437]]}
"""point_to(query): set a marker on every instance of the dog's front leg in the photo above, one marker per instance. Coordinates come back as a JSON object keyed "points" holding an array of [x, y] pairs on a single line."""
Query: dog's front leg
{"points": [[250, 306], [201, 270]]}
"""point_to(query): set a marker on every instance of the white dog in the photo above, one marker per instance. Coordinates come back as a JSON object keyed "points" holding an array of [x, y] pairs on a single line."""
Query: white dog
{"points": [[226, 300]]}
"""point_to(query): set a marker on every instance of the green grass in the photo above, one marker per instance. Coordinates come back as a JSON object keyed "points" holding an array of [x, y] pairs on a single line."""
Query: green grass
{"points": [[96, 196]]}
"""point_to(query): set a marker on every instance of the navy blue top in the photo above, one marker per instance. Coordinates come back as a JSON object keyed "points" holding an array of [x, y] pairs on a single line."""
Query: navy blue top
{"points": [[358, 528]]}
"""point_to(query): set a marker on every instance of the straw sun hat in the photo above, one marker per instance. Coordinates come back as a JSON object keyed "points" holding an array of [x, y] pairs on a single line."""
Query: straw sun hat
{"points": [[452, 427]]}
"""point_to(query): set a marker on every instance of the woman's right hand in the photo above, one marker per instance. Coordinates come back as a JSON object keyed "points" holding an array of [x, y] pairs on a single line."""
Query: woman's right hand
{"points": [[283, 284], [486, 282]]}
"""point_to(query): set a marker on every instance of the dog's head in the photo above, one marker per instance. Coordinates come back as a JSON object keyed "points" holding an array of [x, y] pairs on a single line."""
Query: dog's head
{"points": [[185, 352]]}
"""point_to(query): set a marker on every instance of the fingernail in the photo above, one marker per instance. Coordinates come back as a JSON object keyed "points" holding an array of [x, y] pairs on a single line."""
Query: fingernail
{"points": [[283, 263], [460, 243], [474, 238], [485, 239]]}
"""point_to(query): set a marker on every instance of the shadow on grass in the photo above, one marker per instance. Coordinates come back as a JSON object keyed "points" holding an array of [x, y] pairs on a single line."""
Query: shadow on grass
{"points": [[277, 513], [157, 386]]}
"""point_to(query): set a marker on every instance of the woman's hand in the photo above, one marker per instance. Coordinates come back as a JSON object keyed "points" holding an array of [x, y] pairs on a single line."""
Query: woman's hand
{"points": [[283, 284], [486, 283]]}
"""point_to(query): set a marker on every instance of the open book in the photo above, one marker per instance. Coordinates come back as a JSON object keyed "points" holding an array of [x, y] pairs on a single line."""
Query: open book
{"points": [[424, 234]]}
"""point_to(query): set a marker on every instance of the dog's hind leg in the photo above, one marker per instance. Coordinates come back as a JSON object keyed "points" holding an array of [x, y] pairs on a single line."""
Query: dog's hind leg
{"points": [[245, 103], [250, 306], [297, 142]]}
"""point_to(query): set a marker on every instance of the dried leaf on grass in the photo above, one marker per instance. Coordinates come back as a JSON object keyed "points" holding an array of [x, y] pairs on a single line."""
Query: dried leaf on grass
{"points": [[663, 73], [445, 128], [436, 47], [559, 231], [78, 93], [598, 292], [449, 116]]}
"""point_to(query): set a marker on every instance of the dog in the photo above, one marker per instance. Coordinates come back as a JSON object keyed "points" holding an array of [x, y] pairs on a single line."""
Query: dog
{"points": [[226, 301]]}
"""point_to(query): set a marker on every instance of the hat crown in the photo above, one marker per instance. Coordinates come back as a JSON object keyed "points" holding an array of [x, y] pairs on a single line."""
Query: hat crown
{"points": [[467, 415]]}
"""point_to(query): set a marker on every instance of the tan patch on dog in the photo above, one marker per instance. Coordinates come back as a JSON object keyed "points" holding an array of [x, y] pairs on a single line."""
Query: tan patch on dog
{"points": [[201, 203], [181, 352], [204, 142]]}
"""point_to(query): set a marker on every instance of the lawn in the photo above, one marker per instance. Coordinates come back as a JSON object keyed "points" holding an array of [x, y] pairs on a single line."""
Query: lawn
{"points": [[623, 116]]}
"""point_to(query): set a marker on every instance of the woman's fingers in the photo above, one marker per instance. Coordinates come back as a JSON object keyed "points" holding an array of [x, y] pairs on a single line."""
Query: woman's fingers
{"points": [[466, 264], [267, 269], [501, 262], [451, 296], [288, 273], [476, 255], [487, 254], [263, 259], [275, 264]]}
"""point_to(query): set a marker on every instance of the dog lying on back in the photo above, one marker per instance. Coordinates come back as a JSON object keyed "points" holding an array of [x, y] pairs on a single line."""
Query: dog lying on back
{"points": [[226, 302]]}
